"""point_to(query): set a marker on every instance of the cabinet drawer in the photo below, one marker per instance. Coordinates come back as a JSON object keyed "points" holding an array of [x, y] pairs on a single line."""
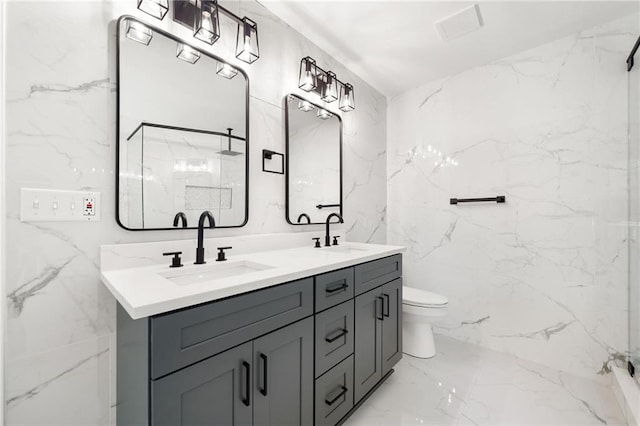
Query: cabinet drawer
{"points": [[187, 336], [333, 288], [334, 336], [334, 393], [373, 274]]}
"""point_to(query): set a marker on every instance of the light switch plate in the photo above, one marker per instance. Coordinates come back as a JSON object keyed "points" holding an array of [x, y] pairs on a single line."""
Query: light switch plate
{"points": [[41, 205]]}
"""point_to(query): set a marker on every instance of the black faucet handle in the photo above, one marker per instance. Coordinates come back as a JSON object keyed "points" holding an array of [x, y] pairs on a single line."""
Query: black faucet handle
{"points": [[176, 262], [335, 240], [317, 242], [221, 254]]}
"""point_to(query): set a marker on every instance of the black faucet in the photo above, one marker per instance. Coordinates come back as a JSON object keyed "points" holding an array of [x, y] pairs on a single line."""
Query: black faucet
{"points": [[180, 216], [212, 224], [304, 215], [327, 237]]}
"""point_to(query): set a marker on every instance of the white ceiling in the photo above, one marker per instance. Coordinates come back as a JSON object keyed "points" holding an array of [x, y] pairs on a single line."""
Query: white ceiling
{"points": [[394, 46]]}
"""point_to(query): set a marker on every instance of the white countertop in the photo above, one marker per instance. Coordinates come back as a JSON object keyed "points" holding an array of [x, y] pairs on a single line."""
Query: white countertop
{"points": [[144, 291]]}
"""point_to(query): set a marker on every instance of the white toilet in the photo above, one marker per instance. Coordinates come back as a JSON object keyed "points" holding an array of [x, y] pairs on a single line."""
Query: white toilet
{"points": [[419, 308]]}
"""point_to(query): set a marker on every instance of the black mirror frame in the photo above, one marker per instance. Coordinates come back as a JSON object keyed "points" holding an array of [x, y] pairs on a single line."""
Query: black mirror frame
{"points": [[117, 120], [288, 156]]}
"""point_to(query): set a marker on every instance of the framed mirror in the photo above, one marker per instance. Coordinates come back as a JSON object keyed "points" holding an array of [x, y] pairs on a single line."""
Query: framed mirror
{"points": [[313, 162], [182, 133]]}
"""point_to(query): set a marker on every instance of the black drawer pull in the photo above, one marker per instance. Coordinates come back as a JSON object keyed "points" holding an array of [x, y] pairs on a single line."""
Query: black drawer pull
{"points": [[338, 288], [337, 336], [247, 399], [386, 297], [337, 397], [263, 391], [381, 317]]}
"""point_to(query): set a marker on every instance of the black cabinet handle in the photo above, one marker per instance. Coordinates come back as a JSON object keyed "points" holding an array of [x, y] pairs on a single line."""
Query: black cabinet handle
{"points": [[337, 288], [337, 397], [381, 317], [386, 298], [247, 400], [337, 336], [263, 391]]}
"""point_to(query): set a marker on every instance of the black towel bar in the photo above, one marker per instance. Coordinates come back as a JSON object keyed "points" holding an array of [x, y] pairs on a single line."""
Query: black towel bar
{"points": [[498, 199], [324, 206]]}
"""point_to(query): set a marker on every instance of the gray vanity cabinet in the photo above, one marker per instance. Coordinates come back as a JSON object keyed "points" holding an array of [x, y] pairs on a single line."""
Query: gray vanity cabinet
{"points": [[378, 322], [391, 324], [283, 390], [368, 342], [214, 391], [300, 353], [276, 388]]}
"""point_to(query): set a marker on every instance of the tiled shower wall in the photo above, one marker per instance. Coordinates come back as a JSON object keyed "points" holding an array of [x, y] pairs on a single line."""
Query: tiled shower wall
{"points": [[543, 276], [61, 320]]}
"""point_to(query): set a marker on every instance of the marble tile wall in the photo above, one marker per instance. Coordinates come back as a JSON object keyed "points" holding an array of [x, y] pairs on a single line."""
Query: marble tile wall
{"points": [[543, 276], [61, 320]]}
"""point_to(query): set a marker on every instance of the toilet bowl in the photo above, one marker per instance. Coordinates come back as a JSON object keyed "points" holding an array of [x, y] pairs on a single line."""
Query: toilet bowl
{"points": [[419, 309]]}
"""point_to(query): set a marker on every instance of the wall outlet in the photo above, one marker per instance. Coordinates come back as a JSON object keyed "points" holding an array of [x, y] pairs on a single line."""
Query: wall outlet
{"points": [[40, 205]]}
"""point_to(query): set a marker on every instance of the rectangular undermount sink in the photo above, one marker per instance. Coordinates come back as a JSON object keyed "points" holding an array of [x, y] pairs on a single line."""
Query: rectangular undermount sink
{"points": [[203, 273]]}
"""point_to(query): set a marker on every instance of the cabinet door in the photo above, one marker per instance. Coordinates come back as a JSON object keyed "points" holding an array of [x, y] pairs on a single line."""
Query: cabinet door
{"points": [[216, 391], [391, 325], [283, 377], [368, 342]]}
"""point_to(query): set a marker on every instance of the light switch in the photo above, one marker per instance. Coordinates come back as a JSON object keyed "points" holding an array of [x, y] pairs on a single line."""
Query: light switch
{"points": [[55, 205]]}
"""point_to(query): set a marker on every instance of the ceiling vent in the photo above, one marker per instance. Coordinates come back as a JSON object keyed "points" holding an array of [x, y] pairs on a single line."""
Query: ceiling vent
{"points": [[460, 23]]}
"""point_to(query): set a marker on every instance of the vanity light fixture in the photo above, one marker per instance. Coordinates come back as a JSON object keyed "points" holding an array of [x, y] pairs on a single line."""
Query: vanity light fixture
{"points": [[203, 17], [305, 106], [330, 88], [188, 53], [226, 70], [312, 78], [206, 26], [155, 8], [347, 102], [247, 48], [138, 32], [324, 114], [308, 78]]}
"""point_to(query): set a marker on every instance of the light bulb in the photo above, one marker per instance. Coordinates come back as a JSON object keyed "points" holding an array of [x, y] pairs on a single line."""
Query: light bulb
{"points": [[305, 106], [206, 21]]}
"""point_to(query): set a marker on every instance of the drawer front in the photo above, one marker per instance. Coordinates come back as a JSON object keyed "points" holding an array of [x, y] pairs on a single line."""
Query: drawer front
{"points": [[334, 393], [373, 274], [333, 288], [334, 336], [187, 336]]}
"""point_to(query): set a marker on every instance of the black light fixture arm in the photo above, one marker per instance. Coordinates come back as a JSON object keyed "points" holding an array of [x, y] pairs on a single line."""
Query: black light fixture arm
{"points": [[321, 71], [185, 10], [230, 14]]}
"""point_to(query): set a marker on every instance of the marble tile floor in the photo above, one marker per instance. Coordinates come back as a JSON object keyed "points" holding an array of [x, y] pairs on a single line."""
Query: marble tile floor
{"points": [[465, 384]]}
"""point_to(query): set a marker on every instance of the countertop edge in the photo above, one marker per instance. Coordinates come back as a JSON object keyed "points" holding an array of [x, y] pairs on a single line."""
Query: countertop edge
{"points": [[163, 307]]}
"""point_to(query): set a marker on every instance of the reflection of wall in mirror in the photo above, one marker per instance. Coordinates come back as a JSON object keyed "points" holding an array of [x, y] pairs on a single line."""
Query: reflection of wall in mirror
{"points": [[314, 164], [184, 171]]}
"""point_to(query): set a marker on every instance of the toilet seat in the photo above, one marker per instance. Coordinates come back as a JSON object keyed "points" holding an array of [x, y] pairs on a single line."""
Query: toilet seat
{"points": [[422, 298]]}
